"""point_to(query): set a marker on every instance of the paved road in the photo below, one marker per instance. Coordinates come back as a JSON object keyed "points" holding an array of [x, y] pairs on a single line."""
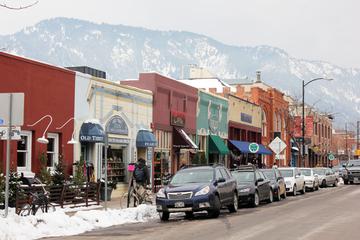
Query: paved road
{"points": [[332, 213]]}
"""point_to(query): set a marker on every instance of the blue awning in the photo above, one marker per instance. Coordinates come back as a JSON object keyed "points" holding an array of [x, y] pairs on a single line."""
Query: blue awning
{"points": [[91, 131], [145, 138], [244, 147]]}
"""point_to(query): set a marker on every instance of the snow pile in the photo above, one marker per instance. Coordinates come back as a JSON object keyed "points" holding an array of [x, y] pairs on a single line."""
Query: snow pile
{"points": [[58, 223]]}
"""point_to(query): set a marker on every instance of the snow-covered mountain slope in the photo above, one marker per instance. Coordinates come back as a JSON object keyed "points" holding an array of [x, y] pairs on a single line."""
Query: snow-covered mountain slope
{"points": [[124, 51]]}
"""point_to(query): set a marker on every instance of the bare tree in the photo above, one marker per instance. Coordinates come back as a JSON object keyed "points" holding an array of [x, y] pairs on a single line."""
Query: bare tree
{"points": [[4, 5]]}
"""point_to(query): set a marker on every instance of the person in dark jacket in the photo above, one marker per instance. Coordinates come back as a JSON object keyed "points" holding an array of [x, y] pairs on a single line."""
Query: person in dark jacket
{"points": [[141, 172]]}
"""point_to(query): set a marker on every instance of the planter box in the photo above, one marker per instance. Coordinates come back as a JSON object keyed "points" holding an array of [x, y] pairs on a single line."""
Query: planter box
{"points": [[102, 194]]}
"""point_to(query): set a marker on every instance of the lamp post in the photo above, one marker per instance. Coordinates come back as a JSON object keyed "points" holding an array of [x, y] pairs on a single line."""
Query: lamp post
{"points": [[303, 114], [43, 139], [72, 141]]}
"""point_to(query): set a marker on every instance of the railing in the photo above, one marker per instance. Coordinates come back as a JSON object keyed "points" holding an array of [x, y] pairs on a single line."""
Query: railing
{"points": [[72, 195]]}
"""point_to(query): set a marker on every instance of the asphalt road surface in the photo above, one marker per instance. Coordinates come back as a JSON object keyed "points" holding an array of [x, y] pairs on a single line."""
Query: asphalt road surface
{"points": [[331, 213]]}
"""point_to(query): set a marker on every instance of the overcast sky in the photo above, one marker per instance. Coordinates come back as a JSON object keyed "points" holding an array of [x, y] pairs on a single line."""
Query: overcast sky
{"points": [[310, 29]]}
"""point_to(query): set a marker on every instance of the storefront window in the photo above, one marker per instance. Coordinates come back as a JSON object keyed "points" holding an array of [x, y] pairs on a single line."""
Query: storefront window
{"points": [[24, 152], [116, 165], [52, 150]]}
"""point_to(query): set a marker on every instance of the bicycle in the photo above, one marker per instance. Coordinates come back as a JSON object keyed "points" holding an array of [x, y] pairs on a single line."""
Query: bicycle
{"points": [[137, 194], [36, 201]]}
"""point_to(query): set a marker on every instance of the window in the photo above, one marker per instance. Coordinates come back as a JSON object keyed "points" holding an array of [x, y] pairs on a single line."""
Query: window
{"points": [[218, 174], [258, 176], [224, 173], [52, 150], [24, 152]]}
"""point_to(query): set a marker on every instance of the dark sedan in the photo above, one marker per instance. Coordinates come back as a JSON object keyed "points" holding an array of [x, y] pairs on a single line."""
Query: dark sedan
{"points": [[197, 189], [277, 182], [252, 186]]}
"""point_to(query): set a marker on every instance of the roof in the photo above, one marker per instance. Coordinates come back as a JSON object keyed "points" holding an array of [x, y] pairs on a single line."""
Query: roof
{"points": [[207, 83]]}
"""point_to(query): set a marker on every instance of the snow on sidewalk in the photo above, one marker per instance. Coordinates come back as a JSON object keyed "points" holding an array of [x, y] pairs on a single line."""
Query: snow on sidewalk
{"points": [[58, 223]]}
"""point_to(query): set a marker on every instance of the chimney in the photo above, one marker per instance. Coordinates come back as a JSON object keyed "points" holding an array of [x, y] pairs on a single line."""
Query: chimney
{"points": [[258, 77]]}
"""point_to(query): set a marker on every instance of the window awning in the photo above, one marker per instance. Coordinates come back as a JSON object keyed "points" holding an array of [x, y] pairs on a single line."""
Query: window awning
{"points": [[182, 140], [217, 145], [92, 131], [244, 147], [145, 139]]}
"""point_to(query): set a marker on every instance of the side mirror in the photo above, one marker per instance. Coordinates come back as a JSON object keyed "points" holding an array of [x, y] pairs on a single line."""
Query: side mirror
{"points": [[297, 176], [315, 175], [221, 180], [344, 165], [279, 178], [260, 180]]}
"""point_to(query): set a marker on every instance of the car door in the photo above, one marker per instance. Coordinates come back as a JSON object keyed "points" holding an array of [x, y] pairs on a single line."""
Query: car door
{"points": [[221, 186], [298, 179], [333, 176], [261, 185], [227, 189]]}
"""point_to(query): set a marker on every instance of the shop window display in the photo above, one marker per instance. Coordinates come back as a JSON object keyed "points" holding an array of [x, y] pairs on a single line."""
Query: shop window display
{"points": [[116, 166], [161, 169]]}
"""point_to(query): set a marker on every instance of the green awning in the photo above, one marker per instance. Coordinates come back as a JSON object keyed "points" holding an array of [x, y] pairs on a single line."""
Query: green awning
{"points": [[217, 145]]}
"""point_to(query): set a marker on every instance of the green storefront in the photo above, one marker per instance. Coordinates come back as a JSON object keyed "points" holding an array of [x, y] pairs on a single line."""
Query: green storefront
{"points": [[211, 129]]}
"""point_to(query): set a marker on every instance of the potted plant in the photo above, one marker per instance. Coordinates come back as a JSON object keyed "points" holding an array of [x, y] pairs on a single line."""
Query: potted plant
{"points": [[110, 186]]}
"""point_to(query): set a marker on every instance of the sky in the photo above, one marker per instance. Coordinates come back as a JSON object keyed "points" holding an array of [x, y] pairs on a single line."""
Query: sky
{"points": [[309, 29]]}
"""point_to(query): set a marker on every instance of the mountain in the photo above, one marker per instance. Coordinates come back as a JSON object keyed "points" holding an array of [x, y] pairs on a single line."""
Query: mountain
{"points": [[124, 51]]}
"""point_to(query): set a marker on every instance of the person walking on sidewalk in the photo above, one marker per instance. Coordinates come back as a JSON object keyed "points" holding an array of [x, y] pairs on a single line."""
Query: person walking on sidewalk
{"points": [[141, 173]]}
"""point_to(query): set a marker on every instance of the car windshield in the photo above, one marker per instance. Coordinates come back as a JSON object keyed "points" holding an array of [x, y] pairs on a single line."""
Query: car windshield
{"points": [[319, 171], [287, 173], [353, 163], [243, 176], [269, 174], [193, 176], [305, 172]]}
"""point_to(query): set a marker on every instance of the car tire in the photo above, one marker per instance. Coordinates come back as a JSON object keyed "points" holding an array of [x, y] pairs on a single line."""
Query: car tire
{"points": [[189, 215], [294, 190], [271, 197], [256, 200], [323, 183], [215, 212], [346, 182], [303, 190], [235, 205], [164, 216], [351, 182], [335, 183], [278, 195]]}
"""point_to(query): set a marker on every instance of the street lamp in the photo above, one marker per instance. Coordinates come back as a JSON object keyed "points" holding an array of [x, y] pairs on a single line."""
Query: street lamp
{"points": [[72, 141], [303, 113], [43, 139]]}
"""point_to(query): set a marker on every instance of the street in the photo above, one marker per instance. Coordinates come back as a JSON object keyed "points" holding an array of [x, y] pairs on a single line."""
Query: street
{"points": [[331, 213]]}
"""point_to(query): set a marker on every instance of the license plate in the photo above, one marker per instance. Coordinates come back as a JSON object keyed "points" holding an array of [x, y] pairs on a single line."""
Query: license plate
{"points": [[179, 204]]}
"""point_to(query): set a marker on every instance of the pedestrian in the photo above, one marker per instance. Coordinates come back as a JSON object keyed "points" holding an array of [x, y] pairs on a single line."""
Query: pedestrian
{"points": [[141, 173]]}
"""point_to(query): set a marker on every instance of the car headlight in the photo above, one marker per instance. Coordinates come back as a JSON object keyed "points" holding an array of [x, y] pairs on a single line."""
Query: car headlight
{"points": [[203, 191], [245, 190], [161, 193]]}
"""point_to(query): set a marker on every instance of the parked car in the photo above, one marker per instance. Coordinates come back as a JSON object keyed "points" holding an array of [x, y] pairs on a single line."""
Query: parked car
{"points": [[326, 176], [352, 171], [277, 182], [311, 179], [339, 170], [252, 186], [294, 180], [197, 189]]}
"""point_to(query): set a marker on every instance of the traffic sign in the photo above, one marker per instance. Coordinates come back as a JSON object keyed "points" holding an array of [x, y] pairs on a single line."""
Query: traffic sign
{"points": [[331, 157], [277, 145], [254, 147], [15, 133], [17, 109]]}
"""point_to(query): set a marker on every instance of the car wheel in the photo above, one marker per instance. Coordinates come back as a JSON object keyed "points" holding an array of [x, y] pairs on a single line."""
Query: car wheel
{"points": [[278, 195], [189, 215], [256, 200], [271, 197], [303, 190], [234, 206], [351, 182], [294, 190], [346, 182], [335, 183], [215, 212], [323, 183], [164, 216]]}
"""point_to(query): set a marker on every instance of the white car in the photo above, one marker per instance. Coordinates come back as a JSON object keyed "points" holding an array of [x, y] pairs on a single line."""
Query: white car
{"points": [[294, 180], [311, 179], [327, 177]]}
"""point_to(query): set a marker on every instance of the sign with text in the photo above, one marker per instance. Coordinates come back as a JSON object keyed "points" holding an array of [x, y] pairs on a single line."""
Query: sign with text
{"points": [[15, 133], [297, 127], [309, 126], [17, 111], [246, 118]]}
